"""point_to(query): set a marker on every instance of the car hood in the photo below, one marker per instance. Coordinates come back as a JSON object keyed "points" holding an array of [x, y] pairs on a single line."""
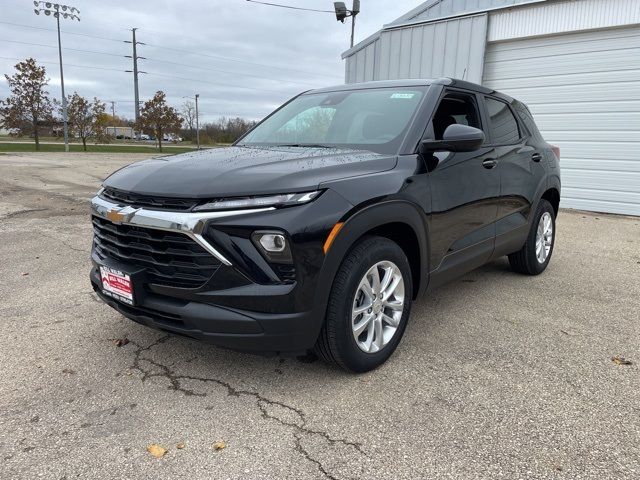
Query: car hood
{"points": [[240, 171]]}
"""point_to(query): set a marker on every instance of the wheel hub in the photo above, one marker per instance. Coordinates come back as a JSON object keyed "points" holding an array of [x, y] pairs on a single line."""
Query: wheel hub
{"points": [[378, 307]]}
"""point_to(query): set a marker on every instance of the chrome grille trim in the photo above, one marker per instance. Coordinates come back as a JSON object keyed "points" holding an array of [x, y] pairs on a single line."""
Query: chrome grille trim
{"points": [[187, 223]]}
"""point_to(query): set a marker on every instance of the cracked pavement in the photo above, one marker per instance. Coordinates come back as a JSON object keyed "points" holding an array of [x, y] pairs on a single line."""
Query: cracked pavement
{"points": [[498, 375]]}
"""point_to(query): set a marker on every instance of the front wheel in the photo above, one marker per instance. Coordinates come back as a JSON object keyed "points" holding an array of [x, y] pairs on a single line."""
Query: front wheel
{"points": [[368, 308], [533, 258]]}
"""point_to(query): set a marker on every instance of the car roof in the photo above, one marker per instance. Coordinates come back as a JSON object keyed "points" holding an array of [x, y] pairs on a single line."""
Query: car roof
{"points": [[411, 82]]}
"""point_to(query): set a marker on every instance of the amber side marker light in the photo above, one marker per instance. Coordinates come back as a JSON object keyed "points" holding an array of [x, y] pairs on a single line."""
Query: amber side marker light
{"points": [[332, 235]]}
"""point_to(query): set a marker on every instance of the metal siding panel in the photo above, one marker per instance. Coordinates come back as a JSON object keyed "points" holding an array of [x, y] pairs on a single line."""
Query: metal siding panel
{"points": [[557, 17], [477, 45], [385, 57], [360, 58], [587, 101], [417, 47], [439, 49], [451, 48], [433, 9], [369, 63], [461, 66], [404, 53], [349, 69], [395, 38], [426, 60]]}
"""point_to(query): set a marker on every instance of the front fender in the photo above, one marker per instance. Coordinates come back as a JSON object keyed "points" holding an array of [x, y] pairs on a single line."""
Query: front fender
{"points": [[356, 225]]}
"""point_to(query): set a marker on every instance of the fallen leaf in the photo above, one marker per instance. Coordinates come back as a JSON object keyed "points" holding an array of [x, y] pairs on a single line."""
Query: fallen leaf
{"points": [[158, 451], [180, 446], [219, 445], [69, 371], [120, 342], [620, 360]]}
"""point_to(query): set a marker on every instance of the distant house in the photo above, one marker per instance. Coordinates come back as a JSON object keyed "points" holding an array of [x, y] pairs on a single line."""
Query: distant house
{"points": [[574, 62]]}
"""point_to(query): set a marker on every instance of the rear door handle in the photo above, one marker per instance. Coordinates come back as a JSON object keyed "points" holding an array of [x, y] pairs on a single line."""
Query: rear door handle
{"points": [[489, 163], [536, 157]]}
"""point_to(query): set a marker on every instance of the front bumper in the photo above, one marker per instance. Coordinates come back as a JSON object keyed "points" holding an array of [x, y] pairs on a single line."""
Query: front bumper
{"points": [[229, 328], [247, 304]]}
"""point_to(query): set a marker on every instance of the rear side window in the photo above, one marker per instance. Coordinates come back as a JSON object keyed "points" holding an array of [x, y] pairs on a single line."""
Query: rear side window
{"points": [[525, 115], [504, 126]]}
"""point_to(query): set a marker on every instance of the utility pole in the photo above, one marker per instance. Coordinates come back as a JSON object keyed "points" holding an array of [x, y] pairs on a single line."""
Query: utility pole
{"points": [[135, 71], [342, 13], [197, 123], [66, 12], [113, 116], [355, 10]]}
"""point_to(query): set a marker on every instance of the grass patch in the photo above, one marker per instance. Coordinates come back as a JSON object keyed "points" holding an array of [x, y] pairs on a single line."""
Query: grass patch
{"points": [[55, 147]]}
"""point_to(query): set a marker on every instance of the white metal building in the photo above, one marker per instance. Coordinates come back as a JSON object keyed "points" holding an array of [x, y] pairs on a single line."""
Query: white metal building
{"points": [[576, 63]]}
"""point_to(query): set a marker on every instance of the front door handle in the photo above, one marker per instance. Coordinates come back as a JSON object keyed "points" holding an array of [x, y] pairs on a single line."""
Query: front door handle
{"points": [[536, 157], [489, 163]]}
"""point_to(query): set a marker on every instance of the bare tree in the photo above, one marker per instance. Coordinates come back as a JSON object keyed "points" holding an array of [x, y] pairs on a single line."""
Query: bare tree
{"points": [[188, 113], [158, 118], [85, 117], [29, 104]]}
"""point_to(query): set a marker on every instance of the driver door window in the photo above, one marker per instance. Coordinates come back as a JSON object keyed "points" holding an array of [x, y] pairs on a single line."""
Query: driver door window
{"points": [[455, 108]]}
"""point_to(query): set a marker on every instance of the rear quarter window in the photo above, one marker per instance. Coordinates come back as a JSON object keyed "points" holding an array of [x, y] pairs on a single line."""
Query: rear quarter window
{"points": [[502, 122]]}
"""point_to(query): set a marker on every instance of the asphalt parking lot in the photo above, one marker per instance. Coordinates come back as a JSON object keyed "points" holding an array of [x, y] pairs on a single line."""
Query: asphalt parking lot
{"points": [[498, 375]]}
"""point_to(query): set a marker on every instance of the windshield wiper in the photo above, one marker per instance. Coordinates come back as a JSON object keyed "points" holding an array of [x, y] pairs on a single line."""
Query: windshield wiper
{"points": [[308, 145]]}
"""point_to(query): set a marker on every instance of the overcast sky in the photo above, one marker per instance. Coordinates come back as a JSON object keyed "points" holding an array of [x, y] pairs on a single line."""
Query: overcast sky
{"points": [[214, 48]]}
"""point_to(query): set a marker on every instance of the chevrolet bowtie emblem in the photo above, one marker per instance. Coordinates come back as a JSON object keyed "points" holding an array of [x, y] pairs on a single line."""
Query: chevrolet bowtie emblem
{"points": [[121, 215]]}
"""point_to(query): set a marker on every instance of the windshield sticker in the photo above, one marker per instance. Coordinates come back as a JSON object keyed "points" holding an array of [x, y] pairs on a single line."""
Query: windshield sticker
{"points": [[403, 95]]}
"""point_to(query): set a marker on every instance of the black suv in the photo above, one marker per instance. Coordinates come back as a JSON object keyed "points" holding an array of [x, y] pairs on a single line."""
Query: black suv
{"points": [[317, 229]]}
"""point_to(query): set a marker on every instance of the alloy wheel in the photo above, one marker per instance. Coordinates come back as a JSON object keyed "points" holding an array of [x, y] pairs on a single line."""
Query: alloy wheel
{"points": [[378, 306], [544, 237]]}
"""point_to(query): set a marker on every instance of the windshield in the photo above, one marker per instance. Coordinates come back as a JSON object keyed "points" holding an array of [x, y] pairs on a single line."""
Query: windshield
{"points": [[374, 119]]}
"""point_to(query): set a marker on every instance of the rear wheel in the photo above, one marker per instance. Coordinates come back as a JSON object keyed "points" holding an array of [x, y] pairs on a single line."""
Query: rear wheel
{"points": [[368, 308], [534, 256]]}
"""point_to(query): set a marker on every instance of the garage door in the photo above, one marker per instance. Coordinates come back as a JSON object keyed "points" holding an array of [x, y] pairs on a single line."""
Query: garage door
{"points": [[584, 92]]}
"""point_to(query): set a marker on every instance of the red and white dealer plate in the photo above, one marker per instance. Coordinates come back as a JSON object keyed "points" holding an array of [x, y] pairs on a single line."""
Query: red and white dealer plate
{"points": [[116, 284]]}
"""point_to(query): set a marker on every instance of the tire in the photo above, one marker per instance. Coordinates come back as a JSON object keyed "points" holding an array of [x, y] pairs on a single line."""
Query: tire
{"points": [[337, 342], [528, 259]]}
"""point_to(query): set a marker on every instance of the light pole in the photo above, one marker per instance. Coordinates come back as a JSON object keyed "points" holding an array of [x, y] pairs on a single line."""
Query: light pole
{"points": [[58, 10], [197, 121], [342, 13]]}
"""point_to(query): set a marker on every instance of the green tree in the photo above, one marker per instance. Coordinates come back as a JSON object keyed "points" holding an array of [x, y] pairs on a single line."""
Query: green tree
{"points": [[29, 105], [158, 118], [85, 118]]}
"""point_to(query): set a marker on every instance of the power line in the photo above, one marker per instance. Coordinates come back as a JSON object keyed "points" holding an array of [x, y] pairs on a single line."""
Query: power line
{"points": [[228, 59], [63, 31], [155, 74], [64, 48], [227, 71], [178, 50], [67, 64], [216, 83], [93, 52], [291, 7]]}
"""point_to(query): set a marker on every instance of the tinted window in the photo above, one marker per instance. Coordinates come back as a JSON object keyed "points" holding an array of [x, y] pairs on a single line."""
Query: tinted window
{"points": [[504, 127], [455, 109], [373, 119]]}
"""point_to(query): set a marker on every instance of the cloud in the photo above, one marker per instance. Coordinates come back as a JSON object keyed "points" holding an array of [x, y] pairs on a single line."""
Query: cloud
{"points": [[242, 58]]}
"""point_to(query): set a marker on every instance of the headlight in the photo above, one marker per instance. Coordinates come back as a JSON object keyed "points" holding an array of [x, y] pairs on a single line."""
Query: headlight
{"points": [[283, 200]]}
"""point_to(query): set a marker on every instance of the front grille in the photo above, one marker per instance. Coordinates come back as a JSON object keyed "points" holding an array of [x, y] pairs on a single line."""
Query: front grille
{"points": [[169, 259], [138, 201]]}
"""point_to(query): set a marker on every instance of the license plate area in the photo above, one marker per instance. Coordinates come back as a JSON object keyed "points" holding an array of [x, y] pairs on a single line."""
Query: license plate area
{"points": [[117, 284]]}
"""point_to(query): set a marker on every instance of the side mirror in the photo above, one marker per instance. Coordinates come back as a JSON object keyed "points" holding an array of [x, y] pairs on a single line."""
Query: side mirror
{"points": [[456, 138]]}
